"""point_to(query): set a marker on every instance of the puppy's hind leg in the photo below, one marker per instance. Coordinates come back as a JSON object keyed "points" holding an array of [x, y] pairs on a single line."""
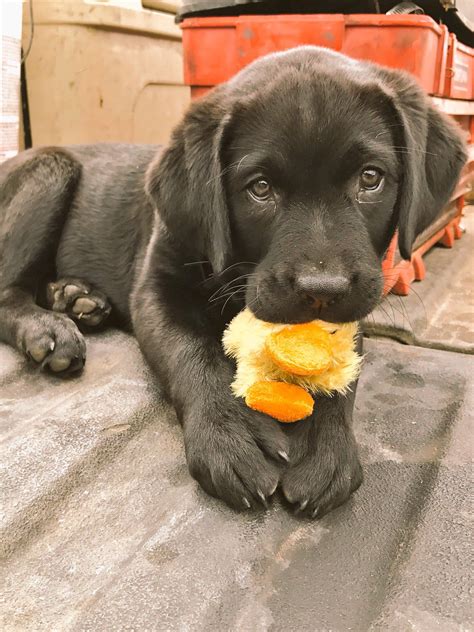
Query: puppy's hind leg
{"points": [[36, 189], [79, 300]]}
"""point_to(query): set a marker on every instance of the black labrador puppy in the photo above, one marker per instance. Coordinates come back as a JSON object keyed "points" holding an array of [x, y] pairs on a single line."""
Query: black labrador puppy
{"points": [[280, 190]]}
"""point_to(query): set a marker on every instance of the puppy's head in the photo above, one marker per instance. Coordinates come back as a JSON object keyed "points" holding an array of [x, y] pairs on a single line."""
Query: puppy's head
{"points": [[305, 164]]}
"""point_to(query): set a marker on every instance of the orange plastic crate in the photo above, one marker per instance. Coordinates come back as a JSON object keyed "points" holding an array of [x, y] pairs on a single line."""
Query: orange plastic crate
{"points": [[459, 82], [215, 48]]}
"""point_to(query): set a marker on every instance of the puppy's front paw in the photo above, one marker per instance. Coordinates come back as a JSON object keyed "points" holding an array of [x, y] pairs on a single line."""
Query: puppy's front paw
{"points": [[327, 475], [232, 452]]}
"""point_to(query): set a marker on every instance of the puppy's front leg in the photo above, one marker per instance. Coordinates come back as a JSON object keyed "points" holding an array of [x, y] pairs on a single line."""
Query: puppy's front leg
{"points": [[325, 468], [231, 450]]}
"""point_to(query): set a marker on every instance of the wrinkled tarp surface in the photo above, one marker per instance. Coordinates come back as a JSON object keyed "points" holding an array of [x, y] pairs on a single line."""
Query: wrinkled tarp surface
{"points": [[103, 528]]}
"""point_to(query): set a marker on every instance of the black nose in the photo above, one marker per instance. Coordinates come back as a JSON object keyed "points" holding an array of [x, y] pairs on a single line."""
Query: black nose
{"points": [[322, 289]]}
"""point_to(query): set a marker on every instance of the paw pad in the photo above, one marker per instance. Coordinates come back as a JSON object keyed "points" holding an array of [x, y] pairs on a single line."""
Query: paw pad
{"points": [[79, 301]]}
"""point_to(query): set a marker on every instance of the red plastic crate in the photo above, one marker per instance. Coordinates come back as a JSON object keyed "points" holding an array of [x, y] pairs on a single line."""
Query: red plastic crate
{"points": [[459, 82], [215, 48]]}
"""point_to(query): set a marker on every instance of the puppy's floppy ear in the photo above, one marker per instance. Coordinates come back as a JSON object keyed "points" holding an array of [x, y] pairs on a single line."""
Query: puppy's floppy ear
{"points": [[432, 154], [185, 182]]}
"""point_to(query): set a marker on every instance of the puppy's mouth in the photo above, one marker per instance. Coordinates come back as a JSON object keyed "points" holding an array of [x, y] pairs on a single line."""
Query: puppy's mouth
{"points": [[318, 305], [292, 308]]}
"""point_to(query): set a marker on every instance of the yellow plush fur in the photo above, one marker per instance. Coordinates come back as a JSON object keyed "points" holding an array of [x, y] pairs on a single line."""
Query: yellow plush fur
{"points": [[245, 339]]}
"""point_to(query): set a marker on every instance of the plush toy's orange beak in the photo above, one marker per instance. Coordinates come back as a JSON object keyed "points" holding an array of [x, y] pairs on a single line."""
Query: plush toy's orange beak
{"points": [[301, 349], [285, 402]]}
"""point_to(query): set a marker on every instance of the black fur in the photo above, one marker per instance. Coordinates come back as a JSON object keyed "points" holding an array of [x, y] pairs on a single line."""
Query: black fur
{"points": [[178, 244]]}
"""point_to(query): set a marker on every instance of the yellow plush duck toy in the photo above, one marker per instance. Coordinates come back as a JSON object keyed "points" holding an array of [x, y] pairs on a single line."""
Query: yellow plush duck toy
{"points": [[280, 366]]}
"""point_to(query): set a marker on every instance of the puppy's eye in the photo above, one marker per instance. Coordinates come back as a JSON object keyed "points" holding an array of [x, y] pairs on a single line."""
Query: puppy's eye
{"points": [[260, 190], [370, 179]]}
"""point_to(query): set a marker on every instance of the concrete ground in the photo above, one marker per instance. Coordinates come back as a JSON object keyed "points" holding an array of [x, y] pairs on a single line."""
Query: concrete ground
{"points": [[103, 528]]}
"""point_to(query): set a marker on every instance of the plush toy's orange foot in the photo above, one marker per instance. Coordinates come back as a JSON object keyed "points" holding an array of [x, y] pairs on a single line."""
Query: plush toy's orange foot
{"points": [[301, 349], [282, 401]]}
